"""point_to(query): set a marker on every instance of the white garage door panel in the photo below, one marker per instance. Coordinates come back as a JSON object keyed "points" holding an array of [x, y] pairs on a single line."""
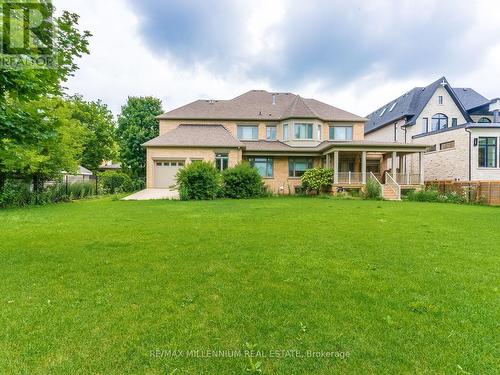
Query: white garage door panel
{"points": [[165, 172]]}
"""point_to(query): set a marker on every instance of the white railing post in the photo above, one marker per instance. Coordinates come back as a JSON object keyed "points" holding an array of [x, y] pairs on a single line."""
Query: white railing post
{"points": [[349, 177], [407, 178]]}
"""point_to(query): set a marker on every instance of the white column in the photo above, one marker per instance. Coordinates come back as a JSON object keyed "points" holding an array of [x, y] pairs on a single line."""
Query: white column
{"points": [[335, 167], [394, 168], [421, 167], [363, 167], [327, 161]]}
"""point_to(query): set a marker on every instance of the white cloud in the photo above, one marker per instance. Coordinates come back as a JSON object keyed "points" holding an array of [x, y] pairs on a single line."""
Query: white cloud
{"points": [[123, 64]]}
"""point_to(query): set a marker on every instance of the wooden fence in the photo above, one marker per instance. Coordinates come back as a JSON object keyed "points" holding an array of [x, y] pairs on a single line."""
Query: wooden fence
{"points": [[475, 191]]}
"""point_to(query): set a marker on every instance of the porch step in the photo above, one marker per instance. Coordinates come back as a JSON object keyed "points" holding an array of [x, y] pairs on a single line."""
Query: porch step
{"points": [[389, 194]]}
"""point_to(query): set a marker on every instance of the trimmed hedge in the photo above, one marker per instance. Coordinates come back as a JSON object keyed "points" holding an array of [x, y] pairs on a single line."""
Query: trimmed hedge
{"points": [[317, 179]]}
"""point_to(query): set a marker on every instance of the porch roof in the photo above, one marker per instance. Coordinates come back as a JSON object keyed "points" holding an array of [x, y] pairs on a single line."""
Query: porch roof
{"points": [[327, 147]]}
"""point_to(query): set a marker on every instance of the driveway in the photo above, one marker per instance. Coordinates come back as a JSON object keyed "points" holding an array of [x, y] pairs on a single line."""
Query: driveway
{"points": [[150, 194]]}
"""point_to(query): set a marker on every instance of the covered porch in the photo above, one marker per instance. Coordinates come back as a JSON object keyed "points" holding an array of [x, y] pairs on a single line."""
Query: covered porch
{"points": [[387, 164]]}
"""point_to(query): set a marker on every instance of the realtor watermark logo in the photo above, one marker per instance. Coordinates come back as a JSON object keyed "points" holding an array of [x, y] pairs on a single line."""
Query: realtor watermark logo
{"points": [[27, 35]]}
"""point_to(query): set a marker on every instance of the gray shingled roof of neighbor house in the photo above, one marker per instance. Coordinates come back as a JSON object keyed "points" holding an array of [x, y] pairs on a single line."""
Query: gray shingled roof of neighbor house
{"points": [[411, 104], [196, 136], [260, 105]]}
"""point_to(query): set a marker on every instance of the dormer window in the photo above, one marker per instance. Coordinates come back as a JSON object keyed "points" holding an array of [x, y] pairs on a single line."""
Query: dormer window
{"points": [[484, 120]]}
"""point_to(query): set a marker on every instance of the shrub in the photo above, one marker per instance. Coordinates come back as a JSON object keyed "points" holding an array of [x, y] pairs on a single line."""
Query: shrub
{"points": [[115, 182], [372, 190], [424, 195], [241, 182], [15, 193], [199, 181], [18, 193], [317, 179]]}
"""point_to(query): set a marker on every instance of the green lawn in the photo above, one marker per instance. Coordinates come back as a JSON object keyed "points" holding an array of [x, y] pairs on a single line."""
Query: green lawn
{"points": [[111, 287]]}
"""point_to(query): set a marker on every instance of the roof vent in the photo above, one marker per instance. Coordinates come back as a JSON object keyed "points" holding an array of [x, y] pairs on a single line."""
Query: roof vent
{"points": [[274, 99]]}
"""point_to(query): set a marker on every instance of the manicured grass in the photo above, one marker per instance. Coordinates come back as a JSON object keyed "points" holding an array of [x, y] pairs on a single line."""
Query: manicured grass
{"points": [[99, 286]]}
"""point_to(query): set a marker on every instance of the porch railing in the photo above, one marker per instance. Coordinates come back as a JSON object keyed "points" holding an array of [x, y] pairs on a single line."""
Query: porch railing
{"points": [[374, 178], [350, 178], [407, 178], [391, 183]]}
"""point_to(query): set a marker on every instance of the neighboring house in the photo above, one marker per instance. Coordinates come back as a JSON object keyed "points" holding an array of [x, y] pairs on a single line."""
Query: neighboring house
{"points": [[108, 165], [461, 126], [281, 134]]}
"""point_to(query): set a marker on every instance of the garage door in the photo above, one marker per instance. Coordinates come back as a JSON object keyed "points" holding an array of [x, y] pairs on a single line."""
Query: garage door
{"points": [[165, 172]]}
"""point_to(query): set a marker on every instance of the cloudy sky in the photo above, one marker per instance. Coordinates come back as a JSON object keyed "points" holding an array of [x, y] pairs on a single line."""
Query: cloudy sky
{"points": [[353, 54]]}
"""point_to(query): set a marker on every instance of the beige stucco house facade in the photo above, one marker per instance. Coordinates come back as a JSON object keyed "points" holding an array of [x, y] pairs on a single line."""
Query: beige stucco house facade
{"points": [[461, 127], [280, 134]]}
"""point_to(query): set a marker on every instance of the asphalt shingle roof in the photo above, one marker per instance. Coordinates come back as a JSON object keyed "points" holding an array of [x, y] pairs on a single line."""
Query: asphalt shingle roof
{"points": [[257, 105], [196, 136], [413, 102]]}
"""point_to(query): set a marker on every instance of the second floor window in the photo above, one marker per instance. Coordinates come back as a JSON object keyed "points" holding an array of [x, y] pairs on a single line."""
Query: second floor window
{"points": [[439, 121], [271, 133], [454, 122], [487, 152], [303, 131], [247, 132], [285, 132], [340, 133], [484, 120]]}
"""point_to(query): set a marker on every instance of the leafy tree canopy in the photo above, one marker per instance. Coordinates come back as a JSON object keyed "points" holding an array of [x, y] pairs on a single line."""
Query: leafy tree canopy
{"points": [[137, 124], [99, 143]]}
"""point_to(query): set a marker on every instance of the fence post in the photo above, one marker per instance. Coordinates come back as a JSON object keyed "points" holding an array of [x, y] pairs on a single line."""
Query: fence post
{"points": [[96, 186], [66, 177]]}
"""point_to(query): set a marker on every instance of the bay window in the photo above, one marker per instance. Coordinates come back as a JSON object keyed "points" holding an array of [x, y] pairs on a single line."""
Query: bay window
{"points": [[303, 131]]}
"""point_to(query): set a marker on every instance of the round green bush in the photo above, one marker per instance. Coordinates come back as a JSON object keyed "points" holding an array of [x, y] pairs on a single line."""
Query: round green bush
{"points": [[198, 181], [115, 182], [317, 179], [242, 181]]}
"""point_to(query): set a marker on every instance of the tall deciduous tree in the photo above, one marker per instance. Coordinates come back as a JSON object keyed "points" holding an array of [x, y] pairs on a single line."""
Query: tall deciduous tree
{"points": [[137, 124], [23, 125], [59, 149], [99, 142]]}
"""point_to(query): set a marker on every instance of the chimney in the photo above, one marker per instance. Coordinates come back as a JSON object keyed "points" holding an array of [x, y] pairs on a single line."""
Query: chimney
{"points": [[274, 99]]}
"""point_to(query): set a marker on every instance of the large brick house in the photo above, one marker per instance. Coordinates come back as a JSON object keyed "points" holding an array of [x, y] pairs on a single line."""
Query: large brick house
{"points": [[281, 134], [461, 127]]}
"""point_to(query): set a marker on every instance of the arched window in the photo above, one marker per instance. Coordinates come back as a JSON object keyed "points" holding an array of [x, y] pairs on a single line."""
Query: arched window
{"points": [[484, 120], [439, 121]]}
